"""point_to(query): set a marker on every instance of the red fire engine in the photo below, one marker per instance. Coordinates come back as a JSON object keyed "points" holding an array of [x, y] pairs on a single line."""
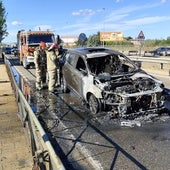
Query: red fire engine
{"points": [[27, 41]]}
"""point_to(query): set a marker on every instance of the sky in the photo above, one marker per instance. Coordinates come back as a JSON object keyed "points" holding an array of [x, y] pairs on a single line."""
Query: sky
{"points": [[72, 17]]}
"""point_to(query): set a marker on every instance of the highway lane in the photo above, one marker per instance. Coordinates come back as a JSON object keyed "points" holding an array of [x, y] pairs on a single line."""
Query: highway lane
{"points": [[88, 142], [102, 141], [164, 79]]}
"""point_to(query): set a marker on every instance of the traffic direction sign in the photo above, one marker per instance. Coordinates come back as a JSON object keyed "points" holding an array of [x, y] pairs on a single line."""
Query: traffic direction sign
{"points": [[141, 36]]}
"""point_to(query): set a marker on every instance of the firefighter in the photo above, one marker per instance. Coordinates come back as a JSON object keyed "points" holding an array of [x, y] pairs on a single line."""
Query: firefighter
{"points": [[52, 66], [40, 60], [61, 52]]}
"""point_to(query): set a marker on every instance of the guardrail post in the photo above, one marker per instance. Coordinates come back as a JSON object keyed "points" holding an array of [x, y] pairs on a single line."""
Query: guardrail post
{"points": [[161, 66]]}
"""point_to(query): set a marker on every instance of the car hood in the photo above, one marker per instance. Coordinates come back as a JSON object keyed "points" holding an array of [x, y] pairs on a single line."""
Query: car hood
{"points": [[129, 83]]}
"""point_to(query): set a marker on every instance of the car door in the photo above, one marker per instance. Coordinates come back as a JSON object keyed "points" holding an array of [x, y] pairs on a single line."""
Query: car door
{"points": [[163, 51], [79, 75], [69, 69]]}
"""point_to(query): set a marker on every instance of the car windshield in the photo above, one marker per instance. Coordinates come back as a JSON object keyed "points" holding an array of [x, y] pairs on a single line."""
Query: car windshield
{"points": [[34, 39], [8, 48], [112, 64]]}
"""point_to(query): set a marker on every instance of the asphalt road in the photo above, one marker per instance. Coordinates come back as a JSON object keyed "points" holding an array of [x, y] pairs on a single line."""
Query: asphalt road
{"points": [[165, 79], [87, 142], [103, 142]]}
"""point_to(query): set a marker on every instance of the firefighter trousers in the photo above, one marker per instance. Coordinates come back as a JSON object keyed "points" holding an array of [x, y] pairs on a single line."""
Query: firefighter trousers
{"points": [[40, 77], [52, 78]]}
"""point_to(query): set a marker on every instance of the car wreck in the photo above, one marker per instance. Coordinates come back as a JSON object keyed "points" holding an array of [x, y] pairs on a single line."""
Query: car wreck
{"points": [[109, 81]]}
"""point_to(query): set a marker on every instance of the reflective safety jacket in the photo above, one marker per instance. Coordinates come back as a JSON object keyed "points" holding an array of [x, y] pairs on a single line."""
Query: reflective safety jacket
{"points": [[40, 58], [52, 60]]}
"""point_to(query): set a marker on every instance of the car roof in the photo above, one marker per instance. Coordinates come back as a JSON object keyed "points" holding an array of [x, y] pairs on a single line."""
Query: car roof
{"points": [[164, 47], [91, 52], [7, 47]]}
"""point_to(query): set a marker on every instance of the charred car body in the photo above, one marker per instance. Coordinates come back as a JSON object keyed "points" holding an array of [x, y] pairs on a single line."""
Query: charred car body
{"points": [[109, 81]]}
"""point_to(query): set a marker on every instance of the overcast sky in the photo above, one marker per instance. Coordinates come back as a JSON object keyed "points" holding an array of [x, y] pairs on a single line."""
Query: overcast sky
{"points": [[72, 17]]}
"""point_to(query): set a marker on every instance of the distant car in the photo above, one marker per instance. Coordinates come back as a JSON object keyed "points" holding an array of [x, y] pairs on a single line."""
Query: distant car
{"points": [[14, 51], [109, 81], [6, 50], [162, 51]]}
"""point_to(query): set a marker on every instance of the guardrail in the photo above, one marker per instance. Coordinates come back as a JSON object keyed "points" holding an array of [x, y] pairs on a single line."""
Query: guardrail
{"points": [[151, 59], [44, 156], [161, 60], [132, 52]]}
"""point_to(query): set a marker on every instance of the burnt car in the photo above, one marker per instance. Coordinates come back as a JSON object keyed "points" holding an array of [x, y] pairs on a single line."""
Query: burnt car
{"points": [[109, 81]]}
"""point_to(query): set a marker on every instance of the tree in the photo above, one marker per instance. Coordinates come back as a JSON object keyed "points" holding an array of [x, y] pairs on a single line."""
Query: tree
{"points": [[3, 25], [94, 40], [128, 38], [168, 40]]}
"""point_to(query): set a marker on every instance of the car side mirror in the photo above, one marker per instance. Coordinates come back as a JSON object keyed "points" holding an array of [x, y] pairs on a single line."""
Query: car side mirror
{"points": [[139, 64]]}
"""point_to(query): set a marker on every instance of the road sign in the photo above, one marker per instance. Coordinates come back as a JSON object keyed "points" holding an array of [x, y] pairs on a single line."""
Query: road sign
{"points": [[82, 38], [141, 36]]}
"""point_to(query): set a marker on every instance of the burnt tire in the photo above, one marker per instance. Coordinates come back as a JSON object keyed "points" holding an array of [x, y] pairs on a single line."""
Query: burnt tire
{"points": [[94, 104]]}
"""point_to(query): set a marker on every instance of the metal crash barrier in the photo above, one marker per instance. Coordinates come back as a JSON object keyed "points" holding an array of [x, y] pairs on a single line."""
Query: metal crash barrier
{"points": [[44, 156], [162, 62]]}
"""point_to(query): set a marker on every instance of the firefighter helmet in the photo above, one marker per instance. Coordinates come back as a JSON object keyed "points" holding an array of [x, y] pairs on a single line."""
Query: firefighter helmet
{"points": [[53, 46]]}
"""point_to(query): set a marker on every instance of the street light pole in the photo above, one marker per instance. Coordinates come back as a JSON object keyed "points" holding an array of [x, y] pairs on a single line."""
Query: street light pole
{"points": [[103, 27]]}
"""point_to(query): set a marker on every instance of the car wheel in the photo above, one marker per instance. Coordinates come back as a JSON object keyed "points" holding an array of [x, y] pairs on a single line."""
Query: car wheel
{"points": [[65, 88], [94, 104], [25, 64], [164, 53]]}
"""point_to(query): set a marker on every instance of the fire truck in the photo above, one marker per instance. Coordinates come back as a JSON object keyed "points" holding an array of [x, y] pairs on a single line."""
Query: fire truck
{"points": [[28, 41]]}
